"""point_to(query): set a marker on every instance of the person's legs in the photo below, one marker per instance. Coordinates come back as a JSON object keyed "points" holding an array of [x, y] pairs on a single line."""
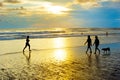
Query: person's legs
{"points": [[87, 50], [95, 49], [90, 50], [29, 47], [24, 47], [98, 50]]}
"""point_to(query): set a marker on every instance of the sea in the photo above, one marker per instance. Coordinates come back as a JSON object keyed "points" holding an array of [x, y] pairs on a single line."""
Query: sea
{"points": [[13, 34]]}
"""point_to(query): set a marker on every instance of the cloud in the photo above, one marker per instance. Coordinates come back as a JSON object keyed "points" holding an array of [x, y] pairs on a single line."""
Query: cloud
{"points": [[116, 0], [111, 3], [31, 7], [87, 3], [12, 1], [109, 0], [1, 4]]}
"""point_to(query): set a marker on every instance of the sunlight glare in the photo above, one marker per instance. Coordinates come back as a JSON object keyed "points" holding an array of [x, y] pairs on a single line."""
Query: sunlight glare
{"points": [[56, 9], [59, 29], [59, 42], [60, 55]]}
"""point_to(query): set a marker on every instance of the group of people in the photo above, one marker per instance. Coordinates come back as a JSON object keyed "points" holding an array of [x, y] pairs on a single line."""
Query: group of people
{"points": [[89, 44]]}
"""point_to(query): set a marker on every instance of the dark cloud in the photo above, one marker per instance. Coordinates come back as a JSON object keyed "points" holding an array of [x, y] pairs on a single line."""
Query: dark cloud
{"points": [[1, 4], [12, 1]]}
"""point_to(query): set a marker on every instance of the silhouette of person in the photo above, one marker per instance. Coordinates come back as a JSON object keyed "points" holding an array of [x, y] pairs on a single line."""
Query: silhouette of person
{"points": [[106, 33], [27, 43], [89, 44], [96, 43]]}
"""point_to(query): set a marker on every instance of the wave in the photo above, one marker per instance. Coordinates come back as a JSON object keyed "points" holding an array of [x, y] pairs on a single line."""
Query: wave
{"points": [[12, 35]]}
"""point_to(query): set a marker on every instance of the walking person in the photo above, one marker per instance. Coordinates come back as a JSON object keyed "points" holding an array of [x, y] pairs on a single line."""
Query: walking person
{"points": [[89, 44], [96, 43], [27, 43]]}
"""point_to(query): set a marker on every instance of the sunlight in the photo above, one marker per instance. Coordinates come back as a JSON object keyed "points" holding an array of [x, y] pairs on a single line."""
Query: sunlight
{"points": [[58, 29], [59, 42], [60, 55], [56, 9]]}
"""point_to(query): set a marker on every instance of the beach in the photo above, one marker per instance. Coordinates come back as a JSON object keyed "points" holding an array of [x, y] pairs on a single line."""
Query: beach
{"points": [[59, 56]]}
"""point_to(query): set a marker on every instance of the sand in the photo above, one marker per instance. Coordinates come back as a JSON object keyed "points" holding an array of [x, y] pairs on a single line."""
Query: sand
{"points": [[67, 61]]}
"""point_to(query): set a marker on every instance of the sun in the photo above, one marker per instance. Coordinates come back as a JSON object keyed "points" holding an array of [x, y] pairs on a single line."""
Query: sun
{"points": [[56, 9]]}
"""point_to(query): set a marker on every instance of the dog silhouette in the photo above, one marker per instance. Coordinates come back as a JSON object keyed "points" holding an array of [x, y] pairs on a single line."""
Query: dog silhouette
{"points": [[106, 50]]}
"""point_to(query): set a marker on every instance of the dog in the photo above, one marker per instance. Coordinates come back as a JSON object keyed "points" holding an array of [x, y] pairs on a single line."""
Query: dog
{"points": [[106, 50]]}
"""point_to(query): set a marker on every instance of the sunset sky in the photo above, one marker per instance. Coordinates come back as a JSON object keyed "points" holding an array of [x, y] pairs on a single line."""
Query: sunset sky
{"points": [[59, 13]]}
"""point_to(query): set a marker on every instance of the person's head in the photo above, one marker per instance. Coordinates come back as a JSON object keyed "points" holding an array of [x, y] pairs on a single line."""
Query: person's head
{"points": [[27, 36], [88, 36], [96, 37]]}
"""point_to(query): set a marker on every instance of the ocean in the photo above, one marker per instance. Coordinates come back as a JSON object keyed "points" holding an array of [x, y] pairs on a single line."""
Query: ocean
{"points": [[13, 34]]}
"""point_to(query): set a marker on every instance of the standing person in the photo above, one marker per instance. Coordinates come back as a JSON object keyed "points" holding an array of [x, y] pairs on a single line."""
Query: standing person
{"points": [[27, 43], [96, 43], [106, 33], [89, 44]]}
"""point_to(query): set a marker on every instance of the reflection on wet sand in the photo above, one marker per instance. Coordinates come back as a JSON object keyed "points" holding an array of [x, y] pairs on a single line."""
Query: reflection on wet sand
{"points": [[27, 56], [60, 55], [93, 62], [97, 61], [59, 42], [89, 59]]}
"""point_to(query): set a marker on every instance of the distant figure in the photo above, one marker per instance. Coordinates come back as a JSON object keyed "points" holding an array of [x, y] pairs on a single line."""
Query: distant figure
{"points": [[27, 43], [82, 33], [96, 43], [106, 33], [89, 44]]}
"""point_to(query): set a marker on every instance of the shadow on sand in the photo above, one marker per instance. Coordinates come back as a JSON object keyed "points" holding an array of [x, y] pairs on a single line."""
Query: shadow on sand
{"points": [[92, 61], [27, 56]]}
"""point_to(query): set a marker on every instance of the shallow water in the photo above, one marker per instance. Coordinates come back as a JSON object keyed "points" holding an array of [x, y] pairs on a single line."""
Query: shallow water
{"points": [[49, 65], [59, 59]]}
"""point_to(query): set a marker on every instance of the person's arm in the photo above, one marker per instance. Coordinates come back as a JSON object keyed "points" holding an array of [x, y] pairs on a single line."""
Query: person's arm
{"points": [[85, 42], [94, 43], [91, 42]]}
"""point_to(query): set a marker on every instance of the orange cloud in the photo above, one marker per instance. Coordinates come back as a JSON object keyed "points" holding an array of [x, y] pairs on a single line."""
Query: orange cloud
{"points": [[87, 3]]}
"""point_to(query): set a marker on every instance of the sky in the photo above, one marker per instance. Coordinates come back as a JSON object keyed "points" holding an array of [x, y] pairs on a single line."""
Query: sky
{"points": [[59, 14]]}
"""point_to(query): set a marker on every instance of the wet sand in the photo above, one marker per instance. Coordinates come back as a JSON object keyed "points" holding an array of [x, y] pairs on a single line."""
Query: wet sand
{"points": [[60, 63]]}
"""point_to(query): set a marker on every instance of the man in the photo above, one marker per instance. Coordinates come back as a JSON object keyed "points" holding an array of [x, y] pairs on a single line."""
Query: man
{"points": [[89, 43], [96, 43], [27, 43]]}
